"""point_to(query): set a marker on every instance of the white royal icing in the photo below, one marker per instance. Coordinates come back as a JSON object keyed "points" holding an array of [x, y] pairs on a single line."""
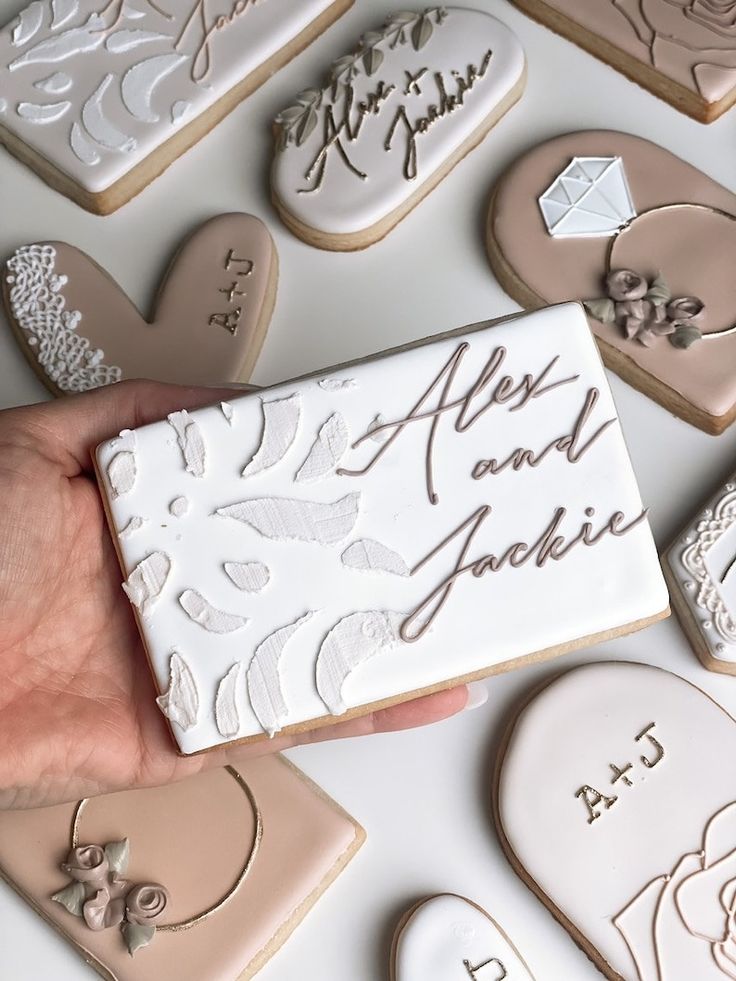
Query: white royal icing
{"points": [[138, 71], [264, 677], [55, 84], [38, 307], [206, 615], [191, 442], [702, 564], [589, 199], [179, 507], [449, 938], [226, 704], [633, 833], [180, 702], [326, 451], [342, 546], [251, 577], [280, 426], [340, 169], [145, 583]]}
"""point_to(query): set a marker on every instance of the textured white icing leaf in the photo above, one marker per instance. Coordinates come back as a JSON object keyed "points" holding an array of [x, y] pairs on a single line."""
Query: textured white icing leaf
{"points": [[216, 621], [336, 384], [126, 40], [135, 524], [251, 577], [62, 11], [264, 678], [131, 12], [122, 472], [180, 704], [377, 423], [68, 44], [99, 126], [283, 519], [54, 84], [227, 411], [179, 507], [29, 22], [139, 84], [83, 149], [280, 426], [144, 584], [34, 112], [226, 704], [371, 556], [179, 110], [3, 105], [191, 442], [326, 452], [352, 641]]}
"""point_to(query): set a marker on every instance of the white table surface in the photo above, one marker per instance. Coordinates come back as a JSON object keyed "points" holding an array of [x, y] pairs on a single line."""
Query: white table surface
{"points": [[422, 796]]}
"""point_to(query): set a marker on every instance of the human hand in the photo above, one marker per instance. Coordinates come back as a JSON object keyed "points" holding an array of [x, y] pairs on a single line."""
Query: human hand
{"points": [[77, 704]]}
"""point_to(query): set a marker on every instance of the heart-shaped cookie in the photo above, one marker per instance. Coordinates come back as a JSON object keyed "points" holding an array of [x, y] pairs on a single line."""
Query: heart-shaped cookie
{"points": [[586, 204], [79, 330], [616, 803], [450, 938]]}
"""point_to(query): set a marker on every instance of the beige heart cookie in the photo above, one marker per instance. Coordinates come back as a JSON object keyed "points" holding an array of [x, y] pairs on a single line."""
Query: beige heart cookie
{"points": [[450, 938], [616, 804], [79, 330], [583, 205]]}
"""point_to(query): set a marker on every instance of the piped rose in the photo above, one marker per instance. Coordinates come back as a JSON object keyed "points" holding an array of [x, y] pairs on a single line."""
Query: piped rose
{"points": [[88, 863], [145, 904], [625, 284], [101, 912]]}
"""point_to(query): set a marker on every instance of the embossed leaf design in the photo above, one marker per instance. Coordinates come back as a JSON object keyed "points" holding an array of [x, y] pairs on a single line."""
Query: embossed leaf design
{"points": [[137, 936], [306, 126], [117, 854], [421, 32], [71, 897], [73, 42], [372, 60], [282, 519]]}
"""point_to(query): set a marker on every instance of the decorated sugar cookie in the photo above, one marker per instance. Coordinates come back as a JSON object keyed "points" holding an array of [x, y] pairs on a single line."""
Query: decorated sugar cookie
{"points": [[353, 538], [647, 242], [100, 96], [684, 51], [391, 119], [700, 567], [79, 330], [205, 878], [450, 938], [632, 844]]}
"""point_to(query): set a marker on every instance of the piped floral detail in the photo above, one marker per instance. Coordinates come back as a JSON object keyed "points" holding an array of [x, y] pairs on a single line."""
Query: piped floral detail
{"points": [[647, 310], [100, 894]]}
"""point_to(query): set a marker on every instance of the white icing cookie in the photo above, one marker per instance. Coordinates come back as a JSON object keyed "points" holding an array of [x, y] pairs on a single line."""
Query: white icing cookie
{"points": [[701, 570], [502, 486], [449, 938], [100, 97], [393, 118], [613, 803]]}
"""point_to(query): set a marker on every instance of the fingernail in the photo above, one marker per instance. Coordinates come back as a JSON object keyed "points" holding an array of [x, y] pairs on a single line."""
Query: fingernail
{"points": [[477, 695]]}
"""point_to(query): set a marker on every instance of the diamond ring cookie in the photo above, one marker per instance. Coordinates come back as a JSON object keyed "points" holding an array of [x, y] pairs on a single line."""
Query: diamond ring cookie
{"points": [[100, 97], [683, 51], [205, 878], [393, 118], [701, 572], [450, 938], [613, 804], [648, 242], [79, 330], [357, 537]]}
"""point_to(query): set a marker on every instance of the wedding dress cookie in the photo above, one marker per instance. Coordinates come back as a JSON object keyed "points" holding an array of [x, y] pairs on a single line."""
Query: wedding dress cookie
{"points": [[393, 118], [351, 539], [205, 878], [100, 96], [450, 938], [614, 806], [79, 330], [649, 243], [684, 51]]}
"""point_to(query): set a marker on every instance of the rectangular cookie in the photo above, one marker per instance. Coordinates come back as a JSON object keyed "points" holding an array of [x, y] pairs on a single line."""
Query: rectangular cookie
{"points": [[428, 516], [100, 97], [242, 854]]}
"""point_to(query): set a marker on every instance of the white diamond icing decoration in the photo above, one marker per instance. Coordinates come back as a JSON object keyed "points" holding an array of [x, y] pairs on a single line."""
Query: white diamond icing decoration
{"points": [[590, 198]]}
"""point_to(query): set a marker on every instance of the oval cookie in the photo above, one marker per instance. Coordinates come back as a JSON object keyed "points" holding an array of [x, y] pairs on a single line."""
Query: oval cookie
{"points": [[584, 203], [613, 804], [393, 117], [450, 938], [79, 330]]}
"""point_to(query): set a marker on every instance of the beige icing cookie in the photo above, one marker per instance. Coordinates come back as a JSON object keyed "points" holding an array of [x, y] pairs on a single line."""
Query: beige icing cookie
{"points": [[450, 938], [353, 538], [251, 849], [585, 203], [613, 803], [100, 96], [701, 572], [79, 330], [684, 51], [393, 118]]}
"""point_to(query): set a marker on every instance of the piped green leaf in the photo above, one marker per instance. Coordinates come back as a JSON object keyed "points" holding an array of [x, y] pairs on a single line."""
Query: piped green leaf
{"points": [[685, 335], [306, 126], [401, 17], [372, 60], [603, 309], [136, 936], [118, 854], [421, 32], [659, 292], [71, 897]]}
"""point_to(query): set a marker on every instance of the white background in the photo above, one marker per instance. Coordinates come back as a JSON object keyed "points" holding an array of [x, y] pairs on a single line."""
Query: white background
{"points": [[422, 796]]}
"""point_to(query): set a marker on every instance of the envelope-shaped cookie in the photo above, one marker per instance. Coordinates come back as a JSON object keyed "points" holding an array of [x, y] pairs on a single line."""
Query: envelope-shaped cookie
{"points": [[614, 805]]}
